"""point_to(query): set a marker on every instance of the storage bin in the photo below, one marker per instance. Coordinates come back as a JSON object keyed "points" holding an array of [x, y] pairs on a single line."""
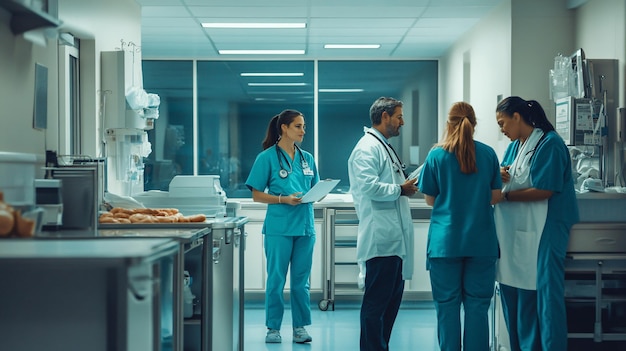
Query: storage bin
{"points": [[17, 178]]}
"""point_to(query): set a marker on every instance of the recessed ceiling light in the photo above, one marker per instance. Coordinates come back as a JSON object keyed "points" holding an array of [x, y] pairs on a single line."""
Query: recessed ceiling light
{"points": [[253, 25], [340, 90], [276, 84], [261, 52], [351, 46], [264, 74]]}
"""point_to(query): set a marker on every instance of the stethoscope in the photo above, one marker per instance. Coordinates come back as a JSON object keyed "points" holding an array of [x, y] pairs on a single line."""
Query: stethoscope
{"points": [[283, 173], [397, 163]]}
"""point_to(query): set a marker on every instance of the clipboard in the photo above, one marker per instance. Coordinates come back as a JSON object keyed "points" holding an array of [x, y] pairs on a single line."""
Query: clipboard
{"points": [[321, 189]]}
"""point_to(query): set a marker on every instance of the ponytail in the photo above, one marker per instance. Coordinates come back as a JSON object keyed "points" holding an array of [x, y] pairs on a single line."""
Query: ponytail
{"points": [[272, 135], [459, 136]]}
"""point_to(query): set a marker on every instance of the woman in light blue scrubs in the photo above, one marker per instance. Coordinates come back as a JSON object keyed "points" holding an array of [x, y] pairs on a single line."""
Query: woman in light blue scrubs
{"points": [[461, 180], [281, 174], [533, 224]]}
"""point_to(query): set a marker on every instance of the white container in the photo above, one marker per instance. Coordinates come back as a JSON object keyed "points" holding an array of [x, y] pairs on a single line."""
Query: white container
{"points": [[188, 296], [17, 178]]}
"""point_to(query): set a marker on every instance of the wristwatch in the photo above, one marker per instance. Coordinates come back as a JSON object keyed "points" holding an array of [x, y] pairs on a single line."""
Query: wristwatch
{"points": [[506, 196]]}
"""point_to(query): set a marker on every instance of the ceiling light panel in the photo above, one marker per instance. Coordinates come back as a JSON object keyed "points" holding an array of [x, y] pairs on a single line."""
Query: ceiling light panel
{"points": [[299, 84], [255, 25], [270, 74], [261, 52]]}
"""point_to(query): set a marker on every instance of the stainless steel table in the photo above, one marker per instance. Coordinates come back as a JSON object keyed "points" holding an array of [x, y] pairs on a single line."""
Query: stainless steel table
{"points": [[218, 273], [190, 237]]}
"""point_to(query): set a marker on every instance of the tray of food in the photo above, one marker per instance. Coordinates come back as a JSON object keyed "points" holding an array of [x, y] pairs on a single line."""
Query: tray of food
{"points": [[119, 217]]}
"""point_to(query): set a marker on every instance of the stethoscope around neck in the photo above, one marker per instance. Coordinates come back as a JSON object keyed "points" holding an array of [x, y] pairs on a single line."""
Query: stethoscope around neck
{"points": [[283, 173], [397, 163]]}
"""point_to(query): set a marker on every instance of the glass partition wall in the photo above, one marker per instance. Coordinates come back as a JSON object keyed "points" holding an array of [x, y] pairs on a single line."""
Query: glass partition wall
{"points": [[214, 114]]}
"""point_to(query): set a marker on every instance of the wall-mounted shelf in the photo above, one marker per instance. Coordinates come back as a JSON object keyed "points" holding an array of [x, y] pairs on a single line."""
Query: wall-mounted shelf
{"points": [[25, 18]]}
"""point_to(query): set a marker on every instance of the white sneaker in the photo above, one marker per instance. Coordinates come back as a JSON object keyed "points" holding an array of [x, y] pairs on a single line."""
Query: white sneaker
{"points": [[273, 336], [301, 336]]}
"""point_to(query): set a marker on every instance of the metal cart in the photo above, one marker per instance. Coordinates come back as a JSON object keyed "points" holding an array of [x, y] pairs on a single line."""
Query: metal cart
{"points": [[340, 228]]}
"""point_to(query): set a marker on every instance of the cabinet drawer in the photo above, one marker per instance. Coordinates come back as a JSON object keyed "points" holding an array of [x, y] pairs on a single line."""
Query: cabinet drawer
{"points": [[346, 273], [345, 255], [597, 238], [346, 232]]}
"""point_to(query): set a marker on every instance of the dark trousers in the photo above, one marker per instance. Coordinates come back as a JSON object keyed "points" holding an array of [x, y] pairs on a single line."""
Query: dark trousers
{"points": [[383, 293]]}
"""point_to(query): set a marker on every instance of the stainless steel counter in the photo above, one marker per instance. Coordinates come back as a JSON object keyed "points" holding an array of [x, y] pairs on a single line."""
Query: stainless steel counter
{"points": [[81, 294]]}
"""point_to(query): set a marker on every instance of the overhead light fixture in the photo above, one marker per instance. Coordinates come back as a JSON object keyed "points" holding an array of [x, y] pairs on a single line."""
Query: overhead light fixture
{"points": [[269, 99], [253, 25], [340, 90], [276, 84], [351, 46], [263, 74], [261, 52]]}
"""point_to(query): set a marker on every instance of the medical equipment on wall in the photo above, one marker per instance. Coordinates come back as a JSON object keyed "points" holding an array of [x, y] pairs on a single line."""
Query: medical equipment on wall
{"points": [[127, 112], [398, 165], [586, 118], [283, 173], [126, 149]]}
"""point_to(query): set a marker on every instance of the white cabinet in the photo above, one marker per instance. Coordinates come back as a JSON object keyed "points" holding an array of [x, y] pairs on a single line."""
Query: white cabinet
{"points": [[255, 264], [318, 265], [421, 277]]}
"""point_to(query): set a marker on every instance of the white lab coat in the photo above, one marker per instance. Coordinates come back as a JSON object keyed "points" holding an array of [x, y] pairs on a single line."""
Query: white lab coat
{"points": [[519, 225], [385, 224]]}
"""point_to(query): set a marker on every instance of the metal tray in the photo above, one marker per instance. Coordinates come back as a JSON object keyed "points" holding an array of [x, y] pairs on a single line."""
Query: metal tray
{"points": [[184, 225]]}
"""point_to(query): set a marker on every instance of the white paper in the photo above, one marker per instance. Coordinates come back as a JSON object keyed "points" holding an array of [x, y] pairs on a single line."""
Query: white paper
{"points": [[416, 173], [321, 189]]}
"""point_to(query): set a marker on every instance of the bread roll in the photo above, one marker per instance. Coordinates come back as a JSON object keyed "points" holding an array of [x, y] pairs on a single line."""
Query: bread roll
{"points": [[196, 218], [25, 227], [6, 222]]}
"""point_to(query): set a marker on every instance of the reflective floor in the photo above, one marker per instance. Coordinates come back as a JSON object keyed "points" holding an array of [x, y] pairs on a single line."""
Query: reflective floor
{"points": [[338, 330]]}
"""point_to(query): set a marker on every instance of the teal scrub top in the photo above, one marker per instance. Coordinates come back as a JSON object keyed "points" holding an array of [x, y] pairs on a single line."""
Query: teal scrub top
{"points": [[461, 223], [284, 219], [551, 169]]}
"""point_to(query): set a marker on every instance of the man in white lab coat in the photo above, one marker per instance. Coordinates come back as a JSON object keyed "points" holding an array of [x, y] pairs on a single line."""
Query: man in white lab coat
{"points": [[385, 239]]}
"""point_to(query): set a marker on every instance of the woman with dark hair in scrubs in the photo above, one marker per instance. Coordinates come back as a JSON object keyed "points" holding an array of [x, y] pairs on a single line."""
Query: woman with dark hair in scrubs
{"points": [[533, 221], [280, 175], [461, 180]]}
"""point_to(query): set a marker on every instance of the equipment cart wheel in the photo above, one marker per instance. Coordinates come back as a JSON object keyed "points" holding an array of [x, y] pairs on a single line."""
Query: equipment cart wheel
{"points": [[323, 305]]}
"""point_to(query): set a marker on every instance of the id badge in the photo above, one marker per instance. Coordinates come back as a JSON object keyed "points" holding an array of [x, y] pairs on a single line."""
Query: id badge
{"points": [[307, 172]]}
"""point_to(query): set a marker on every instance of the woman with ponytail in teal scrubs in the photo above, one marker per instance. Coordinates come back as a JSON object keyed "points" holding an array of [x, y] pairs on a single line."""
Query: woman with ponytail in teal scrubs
{"points": [[281, 174]]}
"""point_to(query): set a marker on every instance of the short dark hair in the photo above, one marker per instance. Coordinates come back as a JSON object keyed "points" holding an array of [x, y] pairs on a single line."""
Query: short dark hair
{"points": [[383, 104]]}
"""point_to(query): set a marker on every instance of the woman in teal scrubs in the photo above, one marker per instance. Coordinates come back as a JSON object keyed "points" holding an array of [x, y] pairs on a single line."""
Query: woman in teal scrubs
{"points": [[281, 174], [461, 180], [533, 222]]}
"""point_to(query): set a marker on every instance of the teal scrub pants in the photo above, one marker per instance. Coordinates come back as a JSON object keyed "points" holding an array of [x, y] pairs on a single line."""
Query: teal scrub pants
{"points": [[536, 319], [282, 253], [467, 281]]}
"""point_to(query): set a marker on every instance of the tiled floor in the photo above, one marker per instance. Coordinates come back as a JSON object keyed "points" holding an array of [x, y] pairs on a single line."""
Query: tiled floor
{"points": [[339, 330]]}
